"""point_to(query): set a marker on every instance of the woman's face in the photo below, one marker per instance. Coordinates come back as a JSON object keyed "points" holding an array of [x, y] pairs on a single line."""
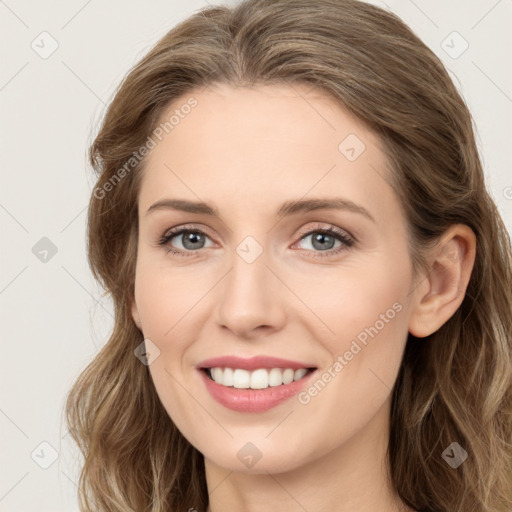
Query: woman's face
{"points": [[259, 279]]}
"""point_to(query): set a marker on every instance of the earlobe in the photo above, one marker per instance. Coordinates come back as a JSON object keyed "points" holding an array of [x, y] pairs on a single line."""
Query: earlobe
{"points": [[442, 291], [135, 314]]}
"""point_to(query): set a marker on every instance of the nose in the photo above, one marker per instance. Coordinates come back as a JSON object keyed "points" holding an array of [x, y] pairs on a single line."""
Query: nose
{"points": [[251, 299]]}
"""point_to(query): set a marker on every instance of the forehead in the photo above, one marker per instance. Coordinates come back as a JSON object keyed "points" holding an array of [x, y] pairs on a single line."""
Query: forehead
{"points": [[254, 143]]}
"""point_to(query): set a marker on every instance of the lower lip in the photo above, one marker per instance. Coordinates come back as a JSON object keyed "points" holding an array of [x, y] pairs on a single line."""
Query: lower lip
{"points": [[253, 400]]}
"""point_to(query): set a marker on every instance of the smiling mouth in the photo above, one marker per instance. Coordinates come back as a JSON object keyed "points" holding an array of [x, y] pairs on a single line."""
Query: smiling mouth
{"points": [[261, 378]]}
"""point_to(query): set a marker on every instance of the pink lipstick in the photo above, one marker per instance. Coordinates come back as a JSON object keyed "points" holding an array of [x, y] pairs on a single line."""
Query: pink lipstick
{"points": [[256, 384]]}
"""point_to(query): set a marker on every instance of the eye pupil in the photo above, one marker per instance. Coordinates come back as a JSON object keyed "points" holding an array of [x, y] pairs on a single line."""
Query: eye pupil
{"points": [[193, 238], [323, 240]]}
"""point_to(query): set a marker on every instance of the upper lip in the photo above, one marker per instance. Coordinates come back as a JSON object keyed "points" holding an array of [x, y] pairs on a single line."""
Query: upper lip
{"points": [[252, 363]]}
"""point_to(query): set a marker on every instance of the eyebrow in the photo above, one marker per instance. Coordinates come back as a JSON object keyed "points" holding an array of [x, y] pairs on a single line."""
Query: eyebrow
{"points": [[286, 209]]}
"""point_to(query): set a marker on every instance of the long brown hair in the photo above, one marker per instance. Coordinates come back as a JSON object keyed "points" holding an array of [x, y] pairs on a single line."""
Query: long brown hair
{"points": [[455, 385]]}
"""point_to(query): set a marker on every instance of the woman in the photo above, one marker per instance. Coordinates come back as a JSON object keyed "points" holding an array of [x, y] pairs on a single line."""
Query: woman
{"points": [[311, 282]]}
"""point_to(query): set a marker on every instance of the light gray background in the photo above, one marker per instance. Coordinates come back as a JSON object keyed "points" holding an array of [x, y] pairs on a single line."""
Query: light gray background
{"points": [[53, 319]]}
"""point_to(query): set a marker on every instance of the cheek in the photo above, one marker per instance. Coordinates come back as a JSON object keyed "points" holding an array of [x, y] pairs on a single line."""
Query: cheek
{"points": [[176, 393], [165, 295], [365, 358], [359, 303], [368, 325], [165, 299]]}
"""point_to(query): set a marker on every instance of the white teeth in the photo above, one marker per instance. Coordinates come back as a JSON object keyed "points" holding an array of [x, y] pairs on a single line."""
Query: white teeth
{"points": [[216, 374], [227, 377], [257, 379], [241, 379], [300, 373], [275, 377], [288, 375]]}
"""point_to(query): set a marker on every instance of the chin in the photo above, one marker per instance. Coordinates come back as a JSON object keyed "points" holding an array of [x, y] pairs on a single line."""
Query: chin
{"points": [[257, 458]]}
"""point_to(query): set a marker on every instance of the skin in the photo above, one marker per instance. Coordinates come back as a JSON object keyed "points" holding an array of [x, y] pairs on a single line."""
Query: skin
{"points": [[246, 151]]}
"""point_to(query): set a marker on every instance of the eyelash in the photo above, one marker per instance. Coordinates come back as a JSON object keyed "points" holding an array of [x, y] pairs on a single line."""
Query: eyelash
{"points": [[346, 240]]}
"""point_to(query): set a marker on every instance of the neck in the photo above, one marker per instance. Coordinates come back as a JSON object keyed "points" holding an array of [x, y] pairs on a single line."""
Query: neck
{"points": [[353, 477]]}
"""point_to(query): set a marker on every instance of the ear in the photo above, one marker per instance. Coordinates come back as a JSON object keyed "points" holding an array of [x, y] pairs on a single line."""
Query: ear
{"points": [[135, 314], [442, 290]]}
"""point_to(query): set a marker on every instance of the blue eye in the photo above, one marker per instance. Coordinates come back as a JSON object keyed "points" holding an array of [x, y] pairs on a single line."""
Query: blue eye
{"points": [[191, 240], [194, 239], [324, 239]]}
